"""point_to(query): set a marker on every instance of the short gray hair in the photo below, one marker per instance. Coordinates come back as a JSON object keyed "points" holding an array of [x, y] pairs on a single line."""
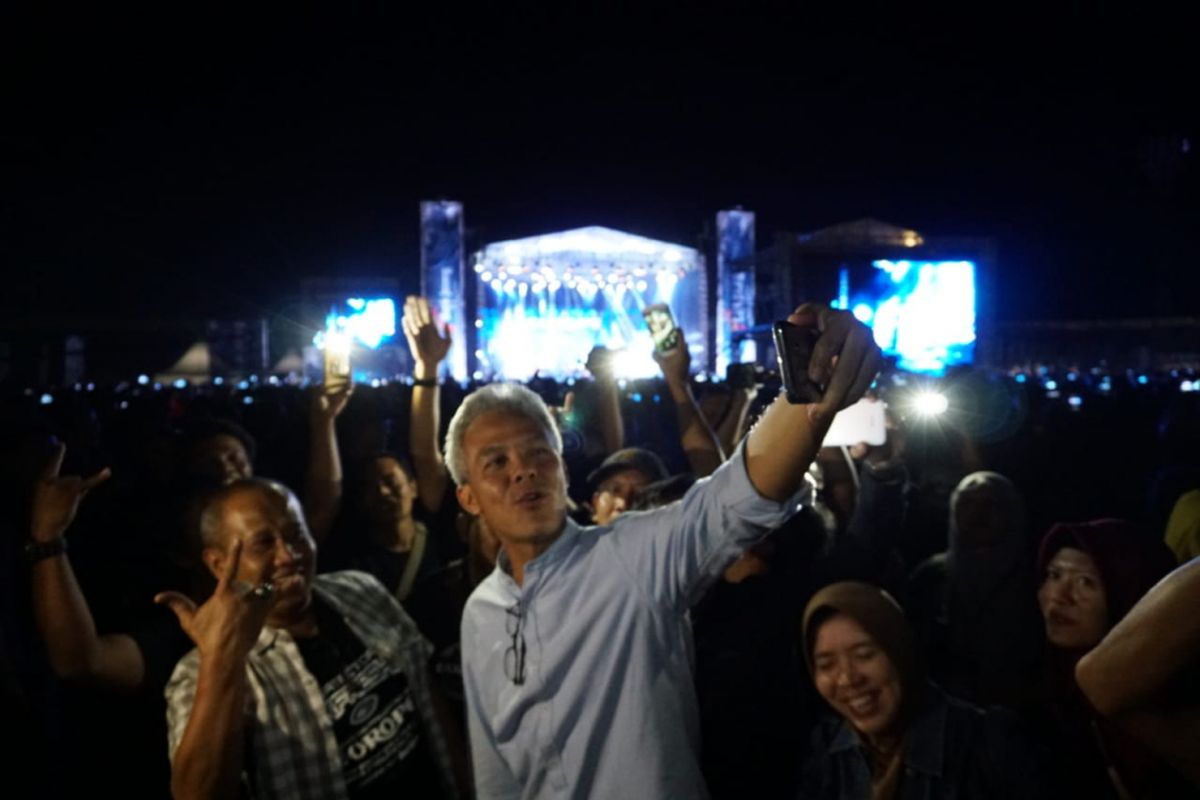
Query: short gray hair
{"points": [[212, 513], [512, 398]]}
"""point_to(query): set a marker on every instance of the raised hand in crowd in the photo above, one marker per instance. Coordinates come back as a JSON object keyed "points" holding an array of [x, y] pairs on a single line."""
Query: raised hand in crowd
{"points": [[228, 623], [323, 483], [208, 761], [56, 498], [429, 345], [64, 620], [695, 435], [612, 425], [428, 342], [785, 441], [845, 358]]}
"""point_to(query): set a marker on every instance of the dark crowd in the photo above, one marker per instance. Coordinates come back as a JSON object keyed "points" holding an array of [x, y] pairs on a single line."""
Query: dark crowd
{"points": [[256, 588]]}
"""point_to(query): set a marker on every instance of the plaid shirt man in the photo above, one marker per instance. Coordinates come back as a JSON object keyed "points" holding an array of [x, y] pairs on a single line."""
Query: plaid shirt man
{"points": [[294, 752]]}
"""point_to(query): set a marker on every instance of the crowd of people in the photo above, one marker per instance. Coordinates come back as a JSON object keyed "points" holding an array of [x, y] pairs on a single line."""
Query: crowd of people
{"points": [[655, 589]]}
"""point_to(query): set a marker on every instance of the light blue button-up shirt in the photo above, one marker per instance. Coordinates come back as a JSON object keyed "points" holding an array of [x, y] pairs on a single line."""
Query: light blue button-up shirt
{"points": [[608, 708]]}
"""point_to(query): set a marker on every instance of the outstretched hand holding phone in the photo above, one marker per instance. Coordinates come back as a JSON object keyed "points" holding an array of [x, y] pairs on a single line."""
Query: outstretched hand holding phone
{"points": [[844, 361]]}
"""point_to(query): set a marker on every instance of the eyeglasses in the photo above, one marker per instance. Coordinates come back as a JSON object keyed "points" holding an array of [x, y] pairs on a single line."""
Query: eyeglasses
{"points": [[514, 656]]}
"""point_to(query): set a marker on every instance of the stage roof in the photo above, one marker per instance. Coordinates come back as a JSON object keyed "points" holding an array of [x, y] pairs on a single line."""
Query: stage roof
{"points": [[862, 233], [593, 248]]}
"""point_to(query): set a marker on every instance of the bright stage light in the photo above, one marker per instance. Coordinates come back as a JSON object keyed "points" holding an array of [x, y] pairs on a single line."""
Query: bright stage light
{"points": [[47, 399], [930, 403]]}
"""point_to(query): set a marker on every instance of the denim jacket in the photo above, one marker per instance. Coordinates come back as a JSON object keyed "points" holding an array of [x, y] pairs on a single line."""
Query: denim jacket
{"points": [[953, 751]]}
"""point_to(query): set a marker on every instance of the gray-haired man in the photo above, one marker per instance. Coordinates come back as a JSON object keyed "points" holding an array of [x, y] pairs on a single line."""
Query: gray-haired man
{"points": [[576, 648]]}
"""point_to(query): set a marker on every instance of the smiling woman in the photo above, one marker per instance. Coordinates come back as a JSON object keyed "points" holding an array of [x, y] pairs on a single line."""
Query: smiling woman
{"points": [[895, 735]]}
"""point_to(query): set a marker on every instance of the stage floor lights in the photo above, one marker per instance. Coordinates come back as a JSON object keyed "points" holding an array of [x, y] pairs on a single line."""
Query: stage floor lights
{"points": [[546, 301]]}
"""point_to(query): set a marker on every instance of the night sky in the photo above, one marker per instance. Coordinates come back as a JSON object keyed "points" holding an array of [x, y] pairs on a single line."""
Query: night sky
{"points": [[166, 163]]}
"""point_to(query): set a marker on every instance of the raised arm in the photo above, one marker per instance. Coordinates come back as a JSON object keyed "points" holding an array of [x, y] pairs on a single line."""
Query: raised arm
{"points": [[680, 548], [733, 424], [429, 346], [786, 439], [612, 426], [1130, 675], [1155, 642], [205, 713], [75, 650], [697, 438], [323, 483]]}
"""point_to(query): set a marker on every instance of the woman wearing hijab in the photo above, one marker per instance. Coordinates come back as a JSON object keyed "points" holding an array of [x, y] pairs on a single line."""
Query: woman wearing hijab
{"points": [[1092, 574], [895, 736]]}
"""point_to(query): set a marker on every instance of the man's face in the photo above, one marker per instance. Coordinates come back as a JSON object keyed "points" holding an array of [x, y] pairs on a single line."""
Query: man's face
{"points": [[856, 677], [389, 491], [515, 479], [276, 548], [1073, 601], [221, 459]]}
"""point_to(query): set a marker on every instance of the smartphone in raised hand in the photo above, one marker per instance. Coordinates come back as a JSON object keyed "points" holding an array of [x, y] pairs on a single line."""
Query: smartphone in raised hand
{"points": [[337, 362], [794, 349], [662, 326]]}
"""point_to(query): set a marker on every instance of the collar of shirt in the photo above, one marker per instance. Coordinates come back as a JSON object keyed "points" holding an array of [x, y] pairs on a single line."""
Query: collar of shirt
{"points": [[925, 741], [365, 628], [551, 556]]}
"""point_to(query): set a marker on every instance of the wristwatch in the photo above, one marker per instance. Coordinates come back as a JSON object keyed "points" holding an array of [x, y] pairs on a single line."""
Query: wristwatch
{"points": [[36, 551]]}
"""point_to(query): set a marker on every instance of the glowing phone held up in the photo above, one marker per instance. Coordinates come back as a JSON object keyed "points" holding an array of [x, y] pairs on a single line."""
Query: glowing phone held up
{"points": [[337, 362], [862, 422], [794, 349], [662, 326]]}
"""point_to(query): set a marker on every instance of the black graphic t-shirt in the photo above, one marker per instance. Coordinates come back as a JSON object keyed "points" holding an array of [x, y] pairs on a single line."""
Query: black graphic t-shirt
{"points": [[375, 719]]}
